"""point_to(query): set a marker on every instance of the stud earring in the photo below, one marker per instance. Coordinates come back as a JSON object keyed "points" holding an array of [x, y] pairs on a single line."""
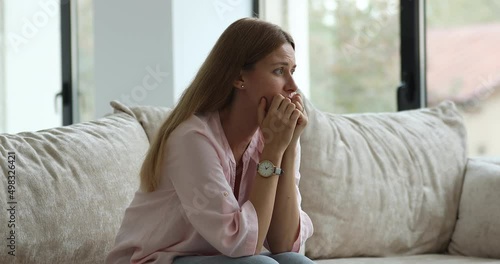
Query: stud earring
{"points": [[242, 86]]}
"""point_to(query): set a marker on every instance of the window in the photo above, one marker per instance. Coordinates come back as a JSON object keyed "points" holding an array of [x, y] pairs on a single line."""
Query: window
{"points": [[77, 33], [351, 51], [85, 61], [30, 65], [463, 66], [353, 56]]}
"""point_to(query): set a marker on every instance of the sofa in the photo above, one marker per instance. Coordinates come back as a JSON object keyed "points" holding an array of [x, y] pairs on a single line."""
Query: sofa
{"points": [[378, 187]]}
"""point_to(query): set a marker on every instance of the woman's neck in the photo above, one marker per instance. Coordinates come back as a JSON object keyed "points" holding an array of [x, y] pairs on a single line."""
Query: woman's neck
{"points": [[239, 122]]}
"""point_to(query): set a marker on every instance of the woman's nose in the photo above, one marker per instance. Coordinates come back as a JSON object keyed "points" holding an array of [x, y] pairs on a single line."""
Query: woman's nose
{"points": [[291, 85]]}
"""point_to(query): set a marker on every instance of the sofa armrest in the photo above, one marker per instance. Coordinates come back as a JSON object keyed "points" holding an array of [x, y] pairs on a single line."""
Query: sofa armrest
{"points": [[477, 231], [487, 159]]}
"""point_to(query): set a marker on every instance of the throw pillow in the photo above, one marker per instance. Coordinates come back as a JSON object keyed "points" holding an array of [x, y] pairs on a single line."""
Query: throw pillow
{"points": [[380, 184], [150, 117], [72, 186]]}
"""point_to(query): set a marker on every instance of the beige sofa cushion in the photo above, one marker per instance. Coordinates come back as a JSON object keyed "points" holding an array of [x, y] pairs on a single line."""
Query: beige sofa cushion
{"points": [[477, 232], [380, 184], [150, 117], [73, 184]]}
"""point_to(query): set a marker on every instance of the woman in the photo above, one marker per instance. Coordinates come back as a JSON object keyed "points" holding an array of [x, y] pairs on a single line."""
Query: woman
{"points": [[220, 180]]}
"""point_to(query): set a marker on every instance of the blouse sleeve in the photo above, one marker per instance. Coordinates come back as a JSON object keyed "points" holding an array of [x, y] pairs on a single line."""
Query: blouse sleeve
{"points": [[195, 170]]}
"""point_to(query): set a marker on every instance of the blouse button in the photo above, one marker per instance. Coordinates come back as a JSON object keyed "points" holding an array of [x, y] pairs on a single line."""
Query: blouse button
{"points": [[226, 194]]}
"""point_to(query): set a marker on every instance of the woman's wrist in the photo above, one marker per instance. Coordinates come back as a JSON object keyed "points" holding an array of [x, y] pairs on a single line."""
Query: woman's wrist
{"points": [[292, 145], [291, 149], [272, 155]]}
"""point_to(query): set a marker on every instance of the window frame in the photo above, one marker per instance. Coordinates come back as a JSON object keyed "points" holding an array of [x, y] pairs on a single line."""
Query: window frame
{"points": [[411, 94], [66, 63]]}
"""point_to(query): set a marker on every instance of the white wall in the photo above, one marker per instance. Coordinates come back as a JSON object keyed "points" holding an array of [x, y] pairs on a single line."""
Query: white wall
{"points": [[133, 41], [197, 24], [174, 36], [32, 73], [298, 13]]}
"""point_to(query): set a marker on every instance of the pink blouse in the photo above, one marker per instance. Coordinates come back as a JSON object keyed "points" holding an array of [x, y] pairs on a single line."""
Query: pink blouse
{"points": [[194, 211]]}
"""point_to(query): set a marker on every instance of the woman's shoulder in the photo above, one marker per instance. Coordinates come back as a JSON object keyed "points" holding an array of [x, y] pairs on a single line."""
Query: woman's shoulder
{"points": [[199, 134], [197, 124]]}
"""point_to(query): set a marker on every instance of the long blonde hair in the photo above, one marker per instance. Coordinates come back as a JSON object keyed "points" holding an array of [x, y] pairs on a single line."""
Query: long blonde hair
{"points": [[240, 46]]}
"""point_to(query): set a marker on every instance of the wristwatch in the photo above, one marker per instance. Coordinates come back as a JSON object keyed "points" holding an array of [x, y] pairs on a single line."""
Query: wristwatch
{"points": [[266, 168]]}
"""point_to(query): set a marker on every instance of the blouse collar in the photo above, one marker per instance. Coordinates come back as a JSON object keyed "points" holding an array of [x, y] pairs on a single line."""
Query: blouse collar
{"points": [[254, 148]]}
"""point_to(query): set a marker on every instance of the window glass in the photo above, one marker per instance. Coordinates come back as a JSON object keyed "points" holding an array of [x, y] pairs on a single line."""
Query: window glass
{"points": [[31, 65], [85, 60], [463, 66], [353, 51]]}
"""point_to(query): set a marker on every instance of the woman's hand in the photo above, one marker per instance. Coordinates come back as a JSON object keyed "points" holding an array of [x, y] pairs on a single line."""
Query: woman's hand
{"points": [[302, 120], [278, 125]]}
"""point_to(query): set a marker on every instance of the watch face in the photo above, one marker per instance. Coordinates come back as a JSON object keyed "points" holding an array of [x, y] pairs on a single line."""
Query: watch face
{"points": [[266, 168]]}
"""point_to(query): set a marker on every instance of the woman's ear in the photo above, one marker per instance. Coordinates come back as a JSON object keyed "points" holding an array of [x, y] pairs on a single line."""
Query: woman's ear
{"points": [[239, 83]]}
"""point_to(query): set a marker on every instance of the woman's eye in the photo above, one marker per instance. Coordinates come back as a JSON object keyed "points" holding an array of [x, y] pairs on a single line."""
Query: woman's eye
{"points": [[279, 71]]}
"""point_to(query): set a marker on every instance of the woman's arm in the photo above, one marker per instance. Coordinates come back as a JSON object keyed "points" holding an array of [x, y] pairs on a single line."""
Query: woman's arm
{"points": [[284, 227], [195, 171], [262, 196], [278, 127]]}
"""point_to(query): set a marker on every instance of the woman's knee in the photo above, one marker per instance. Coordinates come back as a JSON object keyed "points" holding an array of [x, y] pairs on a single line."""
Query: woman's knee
{"points": [[260, 259], [292, 258], [221, 259]]}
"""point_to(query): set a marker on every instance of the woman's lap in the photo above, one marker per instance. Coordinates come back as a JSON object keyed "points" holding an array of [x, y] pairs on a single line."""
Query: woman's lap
{"points": [[263, 258]]}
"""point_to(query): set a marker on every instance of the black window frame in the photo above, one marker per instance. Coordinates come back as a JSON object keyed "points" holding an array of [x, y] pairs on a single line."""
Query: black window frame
{"points": [[66, 64], [411, 94]]}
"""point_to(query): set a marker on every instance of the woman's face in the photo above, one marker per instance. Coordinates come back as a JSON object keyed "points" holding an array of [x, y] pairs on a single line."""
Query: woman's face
{"points": [[271, 76]]}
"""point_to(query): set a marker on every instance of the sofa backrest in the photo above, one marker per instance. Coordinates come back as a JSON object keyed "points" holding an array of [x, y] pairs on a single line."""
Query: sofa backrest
{"points": [[374, 184], [72, 185]]}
